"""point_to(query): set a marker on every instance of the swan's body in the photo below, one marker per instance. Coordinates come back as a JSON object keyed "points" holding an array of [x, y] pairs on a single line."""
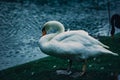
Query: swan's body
{"points": [[72, 45]]}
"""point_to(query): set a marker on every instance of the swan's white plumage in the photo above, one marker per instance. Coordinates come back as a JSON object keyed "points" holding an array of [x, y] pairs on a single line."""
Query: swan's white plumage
{"points": [[72, 45]]}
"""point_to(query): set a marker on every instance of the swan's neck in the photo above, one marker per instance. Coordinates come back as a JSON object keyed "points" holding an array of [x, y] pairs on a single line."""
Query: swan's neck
{"points": [[113, 30], [45, 40], [59, 28], [53, 25]]}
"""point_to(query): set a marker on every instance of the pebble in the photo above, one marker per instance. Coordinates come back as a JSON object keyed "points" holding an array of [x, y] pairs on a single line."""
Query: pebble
{"points": [[54, 66]]}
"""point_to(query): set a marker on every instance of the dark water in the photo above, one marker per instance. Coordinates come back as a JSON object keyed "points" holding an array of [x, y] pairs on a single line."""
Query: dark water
{"points": [[21, 23]]}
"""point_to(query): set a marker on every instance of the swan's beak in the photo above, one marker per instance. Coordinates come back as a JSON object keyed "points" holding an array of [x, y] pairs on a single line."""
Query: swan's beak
{"points": [[43, 31]]}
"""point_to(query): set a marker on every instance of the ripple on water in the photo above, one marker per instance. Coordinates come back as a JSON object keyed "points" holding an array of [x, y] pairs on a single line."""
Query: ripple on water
{"points": [[20, 28]]}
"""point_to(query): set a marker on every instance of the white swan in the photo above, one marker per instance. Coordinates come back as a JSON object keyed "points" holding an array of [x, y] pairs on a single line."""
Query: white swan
{"points": [[72, 45]]}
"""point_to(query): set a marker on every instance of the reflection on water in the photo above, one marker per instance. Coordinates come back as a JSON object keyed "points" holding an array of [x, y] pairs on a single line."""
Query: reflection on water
{"points": [[21, 23]]}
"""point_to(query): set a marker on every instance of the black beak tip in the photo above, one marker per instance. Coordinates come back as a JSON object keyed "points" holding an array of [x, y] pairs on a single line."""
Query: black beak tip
{"points": [[43, 29]]}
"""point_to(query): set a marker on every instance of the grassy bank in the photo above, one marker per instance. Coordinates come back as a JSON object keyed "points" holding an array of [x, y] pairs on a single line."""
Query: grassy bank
{"points": [[101, 68]]}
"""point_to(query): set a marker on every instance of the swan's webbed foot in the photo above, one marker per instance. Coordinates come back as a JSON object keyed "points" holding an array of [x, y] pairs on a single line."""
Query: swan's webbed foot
{"points": [[82, 73], [77, 74], [63, 72], [72, 74]]}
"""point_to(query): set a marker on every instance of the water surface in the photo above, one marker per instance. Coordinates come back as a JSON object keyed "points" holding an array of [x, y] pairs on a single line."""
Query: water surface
{"points": [[21, 24]]}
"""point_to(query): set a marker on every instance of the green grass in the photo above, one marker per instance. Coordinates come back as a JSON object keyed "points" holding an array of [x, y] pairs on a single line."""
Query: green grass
{"points": [[102, 68]]}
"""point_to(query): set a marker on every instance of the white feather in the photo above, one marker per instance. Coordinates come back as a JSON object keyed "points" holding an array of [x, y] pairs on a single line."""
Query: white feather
{"points": [[75, 45]]}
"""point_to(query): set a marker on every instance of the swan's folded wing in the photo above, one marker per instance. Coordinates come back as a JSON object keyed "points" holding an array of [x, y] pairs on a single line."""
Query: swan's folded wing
{"points": [[80, 37], [95, 41], [70, 36]]}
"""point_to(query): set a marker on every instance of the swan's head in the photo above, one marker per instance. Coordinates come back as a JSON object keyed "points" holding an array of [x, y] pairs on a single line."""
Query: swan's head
{"points": [[50, 25]]}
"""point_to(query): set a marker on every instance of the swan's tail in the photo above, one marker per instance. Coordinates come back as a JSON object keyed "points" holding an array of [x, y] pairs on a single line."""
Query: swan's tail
{"points": [[105, 46], [110, 52], [115, 54]]}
